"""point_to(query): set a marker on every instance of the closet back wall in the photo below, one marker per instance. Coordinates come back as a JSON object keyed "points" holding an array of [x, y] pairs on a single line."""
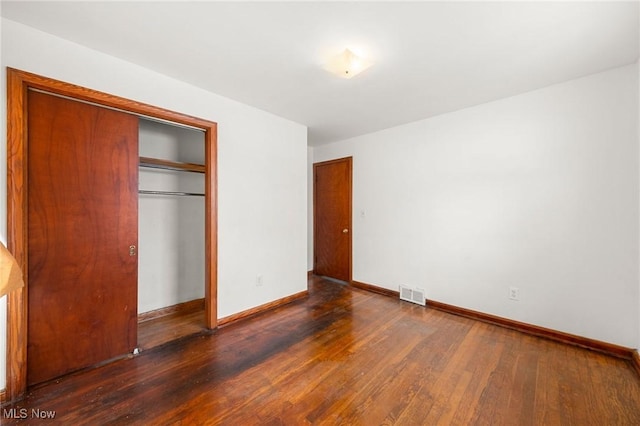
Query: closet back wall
{"points": [[171, 228]]}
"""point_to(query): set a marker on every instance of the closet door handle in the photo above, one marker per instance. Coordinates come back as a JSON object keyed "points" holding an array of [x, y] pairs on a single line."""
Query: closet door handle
{"points": [[132, 250]]}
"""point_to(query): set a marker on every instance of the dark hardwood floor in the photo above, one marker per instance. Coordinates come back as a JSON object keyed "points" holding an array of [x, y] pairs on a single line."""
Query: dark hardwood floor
{"points": [[348, 357], [158, 331]]}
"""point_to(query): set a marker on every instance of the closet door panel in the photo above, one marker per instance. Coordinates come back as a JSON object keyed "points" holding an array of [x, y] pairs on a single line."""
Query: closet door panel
{"points": [[82, 221]]}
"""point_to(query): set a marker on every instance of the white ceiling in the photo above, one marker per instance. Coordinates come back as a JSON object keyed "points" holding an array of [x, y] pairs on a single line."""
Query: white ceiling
{"points": [[430, 57]]}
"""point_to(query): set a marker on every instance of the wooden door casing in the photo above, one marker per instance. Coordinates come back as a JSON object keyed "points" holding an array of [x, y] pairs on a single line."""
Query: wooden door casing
{"points": [[82, 220], [18, 84], [332, 218]]}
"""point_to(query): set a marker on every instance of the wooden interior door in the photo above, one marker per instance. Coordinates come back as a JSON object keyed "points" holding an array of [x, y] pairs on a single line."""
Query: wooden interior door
{"points": [[332, 219], [82, 234]]}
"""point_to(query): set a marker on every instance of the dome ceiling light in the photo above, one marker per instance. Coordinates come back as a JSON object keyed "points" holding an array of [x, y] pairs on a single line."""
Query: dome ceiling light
{"points": [[348, 64]]}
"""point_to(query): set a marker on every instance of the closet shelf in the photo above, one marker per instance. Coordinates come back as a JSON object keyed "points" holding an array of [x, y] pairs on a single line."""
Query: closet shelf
{"points": [[156, 163]]}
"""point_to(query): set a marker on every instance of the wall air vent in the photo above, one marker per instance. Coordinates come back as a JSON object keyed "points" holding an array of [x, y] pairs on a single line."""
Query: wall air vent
{"points": [[413, 295]]}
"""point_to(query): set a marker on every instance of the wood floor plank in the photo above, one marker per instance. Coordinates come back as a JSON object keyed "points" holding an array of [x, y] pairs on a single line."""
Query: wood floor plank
{"points": [[345, 356], [164, 329]]}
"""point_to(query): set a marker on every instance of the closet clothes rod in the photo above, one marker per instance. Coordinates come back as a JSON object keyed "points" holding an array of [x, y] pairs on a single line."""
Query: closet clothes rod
{"points": [[183, 194]]}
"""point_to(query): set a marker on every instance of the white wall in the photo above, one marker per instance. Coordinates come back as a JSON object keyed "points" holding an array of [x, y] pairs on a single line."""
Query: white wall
{"points": [[310, 209], [262, 205], [539, 191], [638, 69]]}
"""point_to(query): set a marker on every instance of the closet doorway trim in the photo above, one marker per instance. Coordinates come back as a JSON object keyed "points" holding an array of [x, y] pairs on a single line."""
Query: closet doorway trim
{"points": [[18, 83]]}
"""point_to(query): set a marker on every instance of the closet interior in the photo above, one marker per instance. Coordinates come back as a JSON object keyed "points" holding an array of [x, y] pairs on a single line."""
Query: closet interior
{"points": [[171, 227]]}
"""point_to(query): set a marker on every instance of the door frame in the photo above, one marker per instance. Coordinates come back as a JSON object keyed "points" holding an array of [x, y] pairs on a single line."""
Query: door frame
{"points": [[349, 162], [18, 83]]}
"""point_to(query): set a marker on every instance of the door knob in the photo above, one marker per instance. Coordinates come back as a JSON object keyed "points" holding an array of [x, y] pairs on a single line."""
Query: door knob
{"points": [[345, 231], [132, 250]]}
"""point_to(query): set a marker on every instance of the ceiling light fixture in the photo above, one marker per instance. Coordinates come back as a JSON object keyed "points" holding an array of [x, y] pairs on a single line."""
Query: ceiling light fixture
{"points": [[348, 64]]}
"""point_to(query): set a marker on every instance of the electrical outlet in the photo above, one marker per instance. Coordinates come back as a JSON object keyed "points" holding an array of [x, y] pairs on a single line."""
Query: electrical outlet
{"points": [[514, 293], [259, 280]]}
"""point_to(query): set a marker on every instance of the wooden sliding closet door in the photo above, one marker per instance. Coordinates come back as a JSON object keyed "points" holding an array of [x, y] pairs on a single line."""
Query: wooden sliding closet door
{"points": [[82, 235]]}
